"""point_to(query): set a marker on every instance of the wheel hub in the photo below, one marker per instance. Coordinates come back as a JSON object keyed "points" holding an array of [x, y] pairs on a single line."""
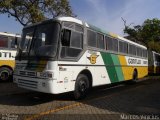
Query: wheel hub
{"points": [[82, 86], [4, 75]]}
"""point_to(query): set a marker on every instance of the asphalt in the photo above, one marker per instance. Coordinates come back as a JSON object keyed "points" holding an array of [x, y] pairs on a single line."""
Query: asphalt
{"points": [[140, 101]]}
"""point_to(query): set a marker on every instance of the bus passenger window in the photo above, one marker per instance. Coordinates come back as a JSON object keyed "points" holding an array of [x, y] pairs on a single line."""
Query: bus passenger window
{"points": [[66, 37], [72, 43], [4, 42], [123, 47], [91, 36], [76, 40], [139, 52], [100, 41], [14, 42], [115, 45], [132, 49], [110, 43]]}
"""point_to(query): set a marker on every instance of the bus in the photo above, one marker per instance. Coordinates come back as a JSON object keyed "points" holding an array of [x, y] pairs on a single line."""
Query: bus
{"points": [[66, 54], [8, 48], [153, 62]]}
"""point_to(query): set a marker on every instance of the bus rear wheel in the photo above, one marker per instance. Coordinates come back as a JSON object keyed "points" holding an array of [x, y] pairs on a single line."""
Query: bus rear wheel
{"points": [[81, 87], [135, 76], [5, 74]]}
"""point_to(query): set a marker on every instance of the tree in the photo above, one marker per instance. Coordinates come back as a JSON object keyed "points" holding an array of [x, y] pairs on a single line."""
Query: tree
{"points": [[32, 11], [148, 33]]}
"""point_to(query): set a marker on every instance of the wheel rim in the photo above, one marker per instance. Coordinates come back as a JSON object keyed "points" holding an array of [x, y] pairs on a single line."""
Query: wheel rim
{"points": [[82, 86], [4, 75]]}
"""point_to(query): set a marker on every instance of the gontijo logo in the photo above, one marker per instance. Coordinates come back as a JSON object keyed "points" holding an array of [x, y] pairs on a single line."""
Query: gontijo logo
{"points": [[6, 55], [93, 58]]}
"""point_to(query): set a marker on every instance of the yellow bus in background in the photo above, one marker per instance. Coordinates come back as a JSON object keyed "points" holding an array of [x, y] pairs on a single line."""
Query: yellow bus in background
{"points": [[8, 49], [153, 62]]}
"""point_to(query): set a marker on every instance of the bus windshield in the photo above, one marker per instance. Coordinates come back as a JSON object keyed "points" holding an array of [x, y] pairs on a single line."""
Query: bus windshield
{"points": [[40, 40]]}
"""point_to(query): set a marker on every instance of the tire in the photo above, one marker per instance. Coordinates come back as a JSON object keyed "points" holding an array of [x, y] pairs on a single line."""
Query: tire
{"points": [[5, 74], [81, 87]]}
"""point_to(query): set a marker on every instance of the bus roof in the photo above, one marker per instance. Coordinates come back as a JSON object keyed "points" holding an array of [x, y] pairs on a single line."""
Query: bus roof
{"points": [[70, 19], [131, 42]]}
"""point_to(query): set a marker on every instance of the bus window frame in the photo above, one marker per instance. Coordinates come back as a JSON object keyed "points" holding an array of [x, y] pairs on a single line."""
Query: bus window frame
{"points": [[9, 40], [63, 27]]}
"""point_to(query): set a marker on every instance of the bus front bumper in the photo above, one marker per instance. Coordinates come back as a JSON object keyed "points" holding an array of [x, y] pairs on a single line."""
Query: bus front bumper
{"points": [[37, 84]]}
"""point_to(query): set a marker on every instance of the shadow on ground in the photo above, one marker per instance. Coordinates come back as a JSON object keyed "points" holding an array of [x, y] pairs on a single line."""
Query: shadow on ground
{"points": [[141, 98]]}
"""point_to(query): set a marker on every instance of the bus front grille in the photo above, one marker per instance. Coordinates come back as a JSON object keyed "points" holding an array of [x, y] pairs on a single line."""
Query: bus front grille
{"points": [[28, 73], [32, 74], [27, 83]]}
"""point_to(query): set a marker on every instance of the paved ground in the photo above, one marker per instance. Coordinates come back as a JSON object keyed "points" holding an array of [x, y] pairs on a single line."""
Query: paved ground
{"points": [[138, 101]]}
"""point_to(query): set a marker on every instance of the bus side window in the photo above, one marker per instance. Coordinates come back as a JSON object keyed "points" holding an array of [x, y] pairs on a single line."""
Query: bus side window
{"points": [[100, 41], [91, 36], [66, 37], [4, 42], [132, 49], [123, 47], [76, 40], [72, 42], [14, 42]]}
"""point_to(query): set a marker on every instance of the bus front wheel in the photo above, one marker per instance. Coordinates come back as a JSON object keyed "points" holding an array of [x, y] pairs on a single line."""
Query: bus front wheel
{"points": [[5, 74], [81, 87]]}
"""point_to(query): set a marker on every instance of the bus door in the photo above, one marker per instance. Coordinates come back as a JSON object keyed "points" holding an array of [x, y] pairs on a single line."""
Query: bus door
{"points": [[65, 77], [71, 48]]}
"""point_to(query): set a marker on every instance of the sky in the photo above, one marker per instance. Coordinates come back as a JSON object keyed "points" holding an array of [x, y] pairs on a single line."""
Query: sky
{"points": [[105, 14]]}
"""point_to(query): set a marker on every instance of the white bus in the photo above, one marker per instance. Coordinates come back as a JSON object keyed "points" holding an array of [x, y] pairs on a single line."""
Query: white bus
{"points": [[8, 48], [66, 54], [153, 62]]}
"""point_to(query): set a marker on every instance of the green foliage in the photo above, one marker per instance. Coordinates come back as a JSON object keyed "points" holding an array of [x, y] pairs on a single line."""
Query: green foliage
{"points": [[32, 11], [152, 45], [148, 33]]}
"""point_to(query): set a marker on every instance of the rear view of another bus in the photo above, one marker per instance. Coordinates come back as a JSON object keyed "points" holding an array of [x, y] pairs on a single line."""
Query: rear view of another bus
{"points": [[154, 62], [8, 48]]}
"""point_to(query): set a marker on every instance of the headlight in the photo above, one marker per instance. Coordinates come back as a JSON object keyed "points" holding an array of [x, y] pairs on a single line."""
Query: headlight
{"points": [[46, 74]]}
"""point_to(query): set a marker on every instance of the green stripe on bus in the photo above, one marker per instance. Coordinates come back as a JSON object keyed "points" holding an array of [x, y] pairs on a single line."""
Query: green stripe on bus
{"points": [[115, 73], [118, 67]]}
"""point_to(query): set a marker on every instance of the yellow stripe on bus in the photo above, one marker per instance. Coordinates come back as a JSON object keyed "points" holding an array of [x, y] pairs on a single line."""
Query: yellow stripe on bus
{"points": [[142, 71], [128, 70], [113, 35], [10, 63]]}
